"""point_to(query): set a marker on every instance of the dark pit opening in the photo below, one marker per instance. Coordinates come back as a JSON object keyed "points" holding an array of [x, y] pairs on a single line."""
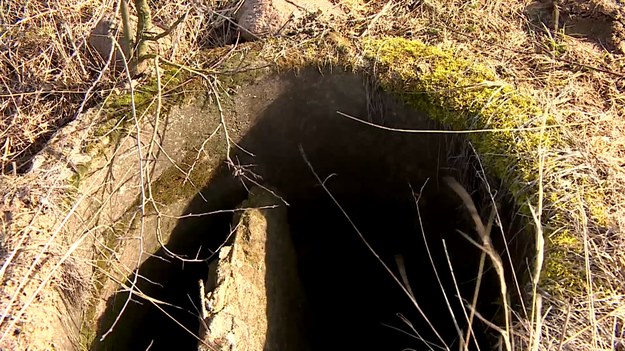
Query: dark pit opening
{"points": [[375, 175]]}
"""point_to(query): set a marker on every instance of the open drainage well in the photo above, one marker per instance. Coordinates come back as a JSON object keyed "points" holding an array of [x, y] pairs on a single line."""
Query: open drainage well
{"points": [[391, 186]]}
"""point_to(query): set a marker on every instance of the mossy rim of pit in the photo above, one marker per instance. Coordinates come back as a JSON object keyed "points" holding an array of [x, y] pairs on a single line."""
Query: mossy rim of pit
{"points": [[507, 127]]}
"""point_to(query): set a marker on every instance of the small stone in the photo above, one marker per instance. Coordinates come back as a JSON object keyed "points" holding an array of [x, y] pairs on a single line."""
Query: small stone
{"points": [[101, 40], [264, 18]]}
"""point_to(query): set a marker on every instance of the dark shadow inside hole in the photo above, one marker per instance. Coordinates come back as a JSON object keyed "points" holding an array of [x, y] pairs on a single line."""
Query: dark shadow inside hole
{"points": [[352, 301], [355, 303], [169, 280]]}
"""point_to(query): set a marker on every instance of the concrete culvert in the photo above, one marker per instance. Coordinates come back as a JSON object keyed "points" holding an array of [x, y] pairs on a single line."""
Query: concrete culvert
{"points": [[390, 187]]}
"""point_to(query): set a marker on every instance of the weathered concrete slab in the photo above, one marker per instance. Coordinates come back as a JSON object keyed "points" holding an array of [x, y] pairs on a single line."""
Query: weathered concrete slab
{"points": [[255, 300]]}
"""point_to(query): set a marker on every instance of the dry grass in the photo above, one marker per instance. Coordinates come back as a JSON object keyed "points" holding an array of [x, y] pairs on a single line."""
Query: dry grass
{"points": [[45, 72], [48, 75]]}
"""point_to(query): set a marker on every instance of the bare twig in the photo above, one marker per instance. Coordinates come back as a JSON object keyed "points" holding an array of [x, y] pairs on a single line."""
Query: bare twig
{"points": [[168, 30], [442, 131], [438, 279], [223, 121], [460, 299], [143, 197]]}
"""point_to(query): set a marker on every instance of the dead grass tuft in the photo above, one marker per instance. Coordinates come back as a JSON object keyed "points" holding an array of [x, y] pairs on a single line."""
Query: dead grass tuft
{"points": [[45, 72], [48, 72]]}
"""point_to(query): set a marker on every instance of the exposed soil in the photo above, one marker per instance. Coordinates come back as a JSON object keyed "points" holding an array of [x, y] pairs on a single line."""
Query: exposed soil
{"points": [[599, 22]]}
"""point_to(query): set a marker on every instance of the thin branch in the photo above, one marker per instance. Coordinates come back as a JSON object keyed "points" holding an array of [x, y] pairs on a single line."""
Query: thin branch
{"points": [[32, 267], [143, 197], [442, 131], [168, 30], [490, 251], [458, 294], [427, 248]]}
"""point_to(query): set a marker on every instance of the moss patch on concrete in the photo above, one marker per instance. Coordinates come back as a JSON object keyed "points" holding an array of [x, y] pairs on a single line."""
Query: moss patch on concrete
{"points": [[466, 96]]}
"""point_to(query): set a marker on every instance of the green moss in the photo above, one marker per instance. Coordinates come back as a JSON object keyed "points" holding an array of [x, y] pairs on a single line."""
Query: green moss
{"points": [[88, 331], [173, 184], [463, 95], [144, 94], [74, 180], [562, 274]]}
